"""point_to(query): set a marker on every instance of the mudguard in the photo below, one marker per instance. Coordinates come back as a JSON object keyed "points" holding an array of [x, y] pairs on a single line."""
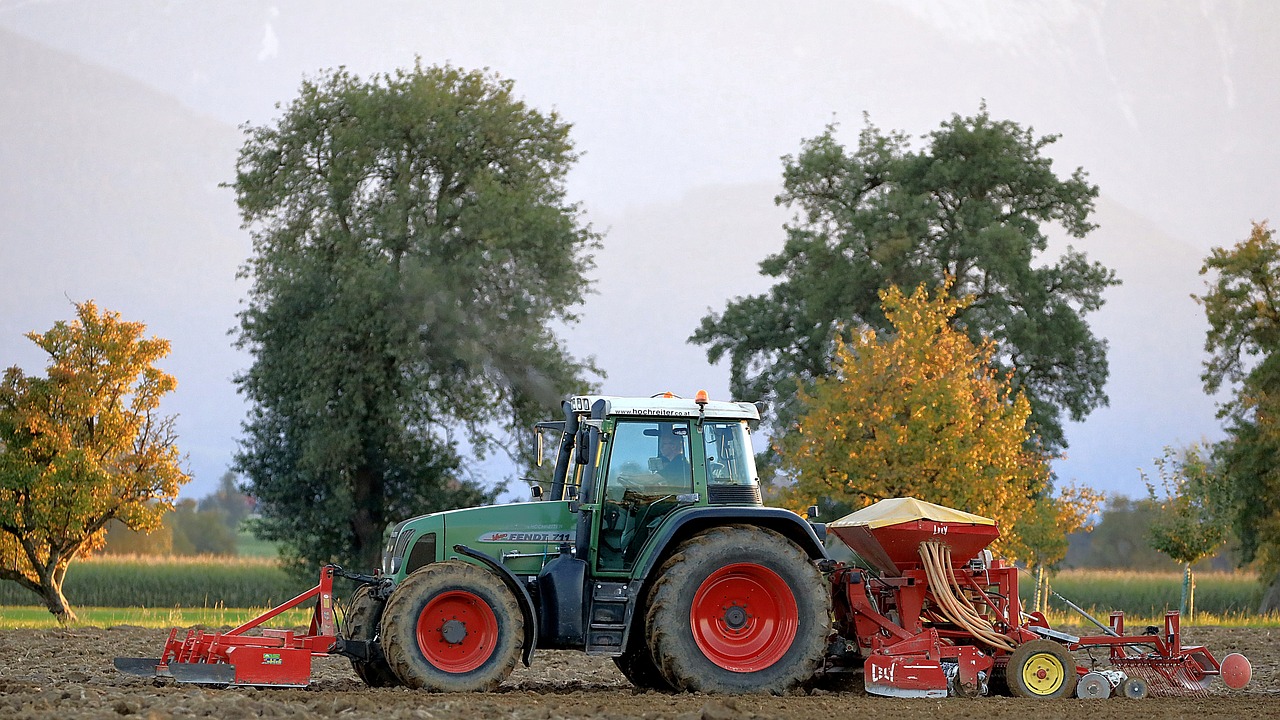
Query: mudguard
{"points": [[521, 593]]}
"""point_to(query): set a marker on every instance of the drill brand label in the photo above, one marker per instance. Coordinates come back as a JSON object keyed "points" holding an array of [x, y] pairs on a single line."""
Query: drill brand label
{"points": [[881, 673], [526, 536], [271, 659]]}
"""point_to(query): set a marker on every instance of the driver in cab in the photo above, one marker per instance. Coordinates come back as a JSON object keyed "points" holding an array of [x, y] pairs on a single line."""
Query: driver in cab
{"points": [[671, 462]]}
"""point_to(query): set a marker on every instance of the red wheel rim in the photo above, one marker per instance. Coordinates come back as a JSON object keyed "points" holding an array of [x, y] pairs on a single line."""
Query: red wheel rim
{"points": [[744, 617], [457, 631]]}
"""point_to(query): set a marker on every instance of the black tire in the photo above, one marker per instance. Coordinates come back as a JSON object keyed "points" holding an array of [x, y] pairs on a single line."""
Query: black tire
{"points": [[1041, 669], [762, 611], [998, 684], [453, 627], [361, 623], [637, 665]]}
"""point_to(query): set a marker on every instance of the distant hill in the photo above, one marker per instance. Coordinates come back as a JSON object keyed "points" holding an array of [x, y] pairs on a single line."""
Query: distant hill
{"points": [[1155, 332], [109, 191], [1154, 329]]}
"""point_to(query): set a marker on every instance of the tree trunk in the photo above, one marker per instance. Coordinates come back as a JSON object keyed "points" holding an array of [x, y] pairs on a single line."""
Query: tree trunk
{"points": [[1191, 596], [48, 581], [1039, 602], [1271, 597], [368, 517], [51, 591], [1185, 607]]}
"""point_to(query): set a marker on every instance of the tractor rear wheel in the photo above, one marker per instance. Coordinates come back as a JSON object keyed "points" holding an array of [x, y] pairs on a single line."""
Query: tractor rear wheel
{"points": [[738, 609], [361, 624], [637, 664], [453, 627], [1041, 669]]}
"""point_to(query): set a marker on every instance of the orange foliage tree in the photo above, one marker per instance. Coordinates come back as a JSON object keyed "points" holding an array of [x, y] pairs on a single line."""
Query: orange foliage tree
{"points": [[82, 446], [921, 413]]}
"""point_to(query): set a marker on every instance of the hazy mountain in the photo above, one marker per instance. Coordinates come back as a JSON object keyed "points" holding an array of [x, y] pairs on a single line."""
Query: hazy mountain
{"points": [[1155, 332], [665, 265], [117, 126], [109, 191]]}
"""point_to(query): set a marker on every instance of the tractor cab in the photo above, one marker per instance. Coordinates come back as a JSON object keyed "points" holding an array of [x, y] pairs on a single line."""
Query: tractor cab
{"points": [[627, 464]]}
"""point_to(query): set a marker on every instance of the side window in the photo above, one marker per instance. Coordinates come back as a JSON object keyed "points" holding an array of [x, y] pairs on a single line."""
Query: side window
{"points": [[730, 460]]}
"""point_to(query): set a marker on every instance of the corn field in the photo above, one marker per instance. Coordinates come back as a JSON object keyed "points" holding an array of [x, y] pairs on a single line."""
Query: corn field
{"points": [[160, 582], [220, 582], [1148, 594]]}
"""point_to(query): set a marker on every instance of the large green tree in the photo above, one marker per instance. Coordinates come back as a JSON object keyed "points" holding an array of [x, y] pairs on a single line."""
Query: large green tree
{"points": [[82, 446], [413, 247], [972, 205], [1242, 305]]}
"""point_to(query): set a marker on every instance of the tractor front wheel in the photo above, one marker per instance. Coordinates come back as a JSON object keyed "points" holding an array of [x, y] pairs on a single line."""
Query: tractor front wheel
{"points": [[738, 609], [361, 624], [453, 627], [1041, 669]]}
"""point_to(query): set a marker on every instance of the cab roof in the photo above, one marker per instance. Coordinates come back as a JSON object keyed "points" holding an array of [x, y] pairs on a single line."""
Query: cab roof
{"points": [[665, 407]]}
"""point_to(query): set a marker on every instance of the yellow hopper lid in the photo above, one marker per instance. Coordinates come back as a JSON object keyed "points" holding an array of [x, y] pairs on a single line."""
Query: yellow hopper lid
{"points": [[900, 510]]}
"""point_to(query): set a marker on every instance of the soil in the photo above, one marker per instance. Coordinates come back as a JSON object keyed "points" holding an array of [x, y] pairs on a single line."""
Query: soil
{"points": [[69, 675]]}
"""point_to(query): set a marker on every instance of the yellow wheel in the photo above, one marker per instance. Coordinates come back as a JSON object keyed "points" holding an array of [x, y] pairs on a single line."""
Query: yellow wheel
{"points": [[1041, 669]]}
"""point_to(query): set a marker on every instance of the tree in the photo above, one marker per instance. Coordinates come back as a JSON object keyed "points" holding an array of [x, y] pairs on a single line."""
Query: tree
{"points": [[921, 413], [971, 206], [1242, 305], [1194, 505], [201, 532], [1045, 532], [412, 250], [1119, 539], [82, 446], [228, 500], [205, 527]]}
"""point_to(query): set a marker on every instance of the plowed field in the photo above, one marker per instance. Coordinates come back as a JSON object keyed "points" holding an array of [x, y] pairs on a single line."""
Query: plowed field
{"points": [[69, 675]]}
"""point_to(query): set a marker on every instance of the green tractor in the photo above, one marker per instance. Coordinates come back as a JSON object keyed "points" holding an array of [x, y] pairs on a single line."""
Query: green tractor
{"points": [[650, 545]]}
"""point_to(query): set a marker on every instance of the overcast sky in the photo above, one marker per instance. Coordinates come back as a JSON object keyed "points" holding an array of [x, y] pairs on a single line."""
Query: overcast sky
{"points": [[682, 111]]}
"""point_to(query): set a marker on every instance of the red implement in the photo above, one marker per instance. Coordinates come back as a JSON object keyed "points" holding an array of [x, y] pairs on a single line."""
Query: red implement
{"points": [[934, 615], [273, 658]]}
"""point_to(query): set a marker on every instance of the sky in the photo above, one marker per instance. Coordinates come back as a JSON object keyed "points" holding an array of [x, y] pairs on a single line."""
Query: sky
{"points": [[122, 119]]}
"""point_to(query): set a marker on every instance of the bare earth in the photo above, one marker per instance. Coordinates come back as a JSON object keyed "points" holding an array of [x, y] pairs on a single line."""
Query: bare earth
{"points": [[69, 675]]}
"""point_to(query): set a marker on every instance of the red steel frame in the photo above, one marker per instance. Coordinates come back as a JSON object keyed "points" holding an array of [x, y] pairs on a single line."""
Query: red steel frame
{"points": [[886, 617], [276, 657]]}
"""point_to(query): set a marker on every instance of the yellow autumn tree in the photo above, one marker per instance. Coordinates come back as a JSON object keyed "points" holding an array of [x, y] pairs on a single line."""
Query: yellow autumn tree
{"points": [[1043, 533], [82, 446], [921, 413]]}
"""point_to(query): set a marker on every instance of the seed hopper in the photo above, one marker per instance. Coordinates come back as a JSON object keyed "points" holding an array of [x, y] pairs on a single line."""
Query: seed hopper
{"points": [[930, 612]]}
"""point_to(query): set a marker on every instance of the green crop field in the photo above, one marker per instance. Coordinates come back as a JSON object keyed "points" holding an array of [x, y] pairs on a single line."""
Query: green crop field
{"points": [[31, 616], [219, 591], [168, 582], [1149, 594]]}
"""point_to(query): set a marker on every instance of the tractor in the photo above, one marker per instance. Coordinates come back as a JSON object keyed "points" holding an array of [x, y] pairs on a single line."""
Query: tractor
{"points": [[649, 544]]}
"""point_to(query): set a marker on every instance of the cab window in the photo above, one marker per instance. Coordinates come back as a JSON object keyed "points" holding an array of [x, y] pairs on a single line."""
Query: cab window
{"points": [[648, 470], [729, 457]]}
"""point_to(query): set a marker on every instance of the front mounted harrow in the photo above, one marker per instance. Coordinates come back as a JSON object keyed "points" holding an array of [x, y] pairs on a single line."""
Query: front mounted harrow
{"points": [[272, 658]]}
